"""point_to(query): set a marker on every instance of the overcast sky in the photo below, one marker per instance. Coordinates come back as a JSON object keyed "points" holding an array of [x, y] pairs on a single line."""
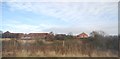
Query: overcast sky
{"points": [[60, 17]]}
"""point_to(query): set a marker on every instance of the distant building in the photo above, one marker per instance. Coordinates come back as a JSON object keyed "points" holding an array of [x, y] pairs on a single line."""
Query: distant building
{"points": [[8, 34], [49, 36], [38, 35], [82, 35]]}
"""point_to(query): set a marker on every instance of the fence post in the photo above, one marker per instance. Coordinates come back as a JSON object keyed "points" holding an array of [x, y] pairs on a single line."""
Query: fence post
{"points": [[63, 43]]}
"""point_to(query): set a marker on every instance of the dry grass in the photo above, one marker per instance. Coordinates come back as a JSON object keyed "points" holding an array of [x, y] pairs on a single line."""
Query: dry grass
{"points": [[39, 48]]}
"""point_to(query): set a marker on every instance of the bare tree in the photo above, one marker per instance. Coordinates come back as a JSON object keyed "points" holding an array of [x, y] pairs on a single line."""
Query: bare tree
{"points": [[97, 34], [69, 36], [50, 36]]}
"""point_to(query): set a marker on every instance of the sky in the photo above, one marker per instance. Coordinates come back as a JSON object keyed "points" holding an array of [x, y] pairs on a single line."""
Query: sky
{"points": [[59, 17]]}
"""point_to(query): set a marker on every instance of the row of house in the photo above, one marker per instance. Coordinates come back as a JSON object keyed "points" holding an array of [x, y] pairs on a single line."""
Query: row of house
{"points": [[50, 35]]}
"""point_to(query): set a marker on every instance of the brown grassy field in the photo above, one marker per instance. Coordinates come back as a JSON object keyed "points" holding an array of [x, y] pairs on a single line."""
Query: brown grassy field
{"points": [[55, 48]]}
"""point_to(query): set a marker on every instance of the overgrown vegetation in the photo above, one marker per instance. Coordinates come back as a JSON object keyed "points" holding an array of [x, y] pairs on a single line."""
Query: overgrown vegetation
{"points": [[97, 45]]}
